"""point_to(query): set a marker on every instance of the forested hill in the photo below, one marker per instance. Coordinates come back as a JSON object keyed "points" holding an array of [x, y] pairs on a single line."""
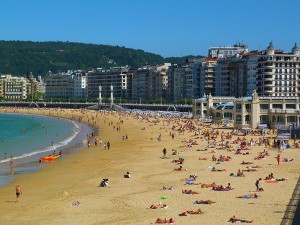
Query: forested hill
{"points": [[21, 57]]}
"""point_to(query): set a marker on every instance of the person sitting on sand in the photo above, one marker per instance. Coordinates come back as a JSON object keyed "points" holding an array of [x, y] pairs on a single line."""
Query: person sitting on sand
{"points": [[240, 173], [198, 211], [214, 158], [189, 192], [159, 206], [179, 169], [217, 170], [171, 221], [127, 175], [248, 196], [206, 202], [233, 219]]}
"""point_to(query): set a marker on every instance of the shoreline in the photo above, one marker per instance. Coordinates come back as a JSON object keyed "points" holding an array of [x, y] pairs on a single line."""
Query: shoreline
{"points": [[127, 201], [28, 163]]}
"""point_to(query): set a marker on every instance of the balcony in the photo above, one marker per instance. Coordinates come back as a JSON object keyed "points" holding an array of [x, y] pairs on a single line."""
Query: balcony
{"points": [[264, 110], [285, 111]]}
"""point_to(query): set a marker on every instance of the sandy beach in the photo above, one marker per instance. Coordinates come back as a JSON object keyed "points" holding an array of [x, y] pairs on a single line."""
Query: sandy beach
{"points": [[48, 194]]}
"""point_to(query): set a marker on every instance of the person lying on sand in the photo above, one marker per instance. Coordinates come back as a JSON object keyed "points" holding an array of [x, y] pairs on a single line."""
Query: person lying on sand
{"points": [[179, 169], [209, 185], [246, 163], [221, 188], [179, 161], [159, 206], [198, 211], [217, 170], [250, 167], [167, 188], [287, 160], [233, 219], [248, 196], [206, 202], [189, 192], [250, 170], [191, 183], [202, 158], [171, 221]]}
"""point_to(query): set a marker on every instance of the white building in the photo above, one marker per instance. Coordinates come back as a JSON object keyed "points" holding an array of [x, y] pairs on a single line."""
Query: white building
{"points": [[278, 72], [66, 85], [227, 51]]}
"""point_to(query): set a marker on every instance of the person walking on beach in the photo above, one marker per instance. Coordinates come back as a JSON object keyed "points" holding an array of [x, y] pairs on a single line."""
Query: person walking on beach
{"points": [[257, 184], [164, 151], [11, 164], [108, 145], [18, 192], [278, 159]]}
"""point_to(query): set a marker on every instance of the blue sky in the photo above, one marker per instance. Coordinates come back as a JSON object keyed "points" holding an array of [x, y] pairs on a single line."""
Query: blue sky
{"points": [[165, 27]]}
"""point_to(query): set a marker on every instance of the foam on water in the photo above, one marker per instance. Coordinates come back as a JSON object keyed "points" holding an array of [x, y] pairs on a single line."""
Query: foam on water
{"points": [[28, 138]]}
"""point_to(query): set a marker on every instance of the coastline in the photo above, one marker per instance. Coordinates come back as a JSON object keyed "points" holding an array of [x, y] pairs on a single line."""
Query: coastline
{"points": [[52, 190], [27, 163]]}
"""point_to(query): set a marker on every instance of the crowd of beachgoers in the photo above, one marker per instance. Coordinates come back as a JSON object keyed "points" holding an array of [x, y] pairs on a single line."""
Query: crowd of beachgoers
{"points": [[213, 145]]}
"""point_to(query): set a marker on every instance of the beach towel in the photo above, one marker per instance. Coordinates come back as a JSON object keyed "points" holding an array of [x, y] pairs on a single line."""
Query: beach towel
{"points": [[271, 181], [190, 180], [164, 197], [248, 197]]}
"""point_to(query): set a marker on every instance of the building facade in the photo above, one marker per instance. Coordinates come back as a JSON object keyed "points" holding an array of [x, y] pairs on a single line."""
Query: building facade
{"points": [[227, 51], [70, 84], [278, 72], [13, 88], [249, 111], [120, 78]]}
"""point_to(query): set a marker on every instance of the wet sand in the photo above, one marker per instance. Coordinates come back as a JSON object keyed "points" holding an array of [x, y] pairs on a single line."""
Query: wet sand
{"points": [[48, 195]]}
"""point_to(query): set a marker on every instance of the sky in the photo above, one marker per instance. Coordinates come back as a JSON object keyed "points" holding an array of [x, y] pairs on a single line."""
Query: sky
{"points": [[164, 27]]}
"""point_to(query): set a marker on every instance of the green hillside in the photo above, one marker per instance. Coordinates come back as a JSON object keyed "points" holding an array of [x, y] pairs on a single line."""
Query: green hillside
{"points": [[21, 57]]}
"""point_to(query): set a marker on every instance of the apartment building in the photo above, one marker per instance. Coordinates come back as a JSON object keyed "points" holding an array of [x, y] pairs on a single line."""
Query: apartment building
{"points": [[207, 76], [13, 88], [118, 77], [70, 84], [278, 72]]}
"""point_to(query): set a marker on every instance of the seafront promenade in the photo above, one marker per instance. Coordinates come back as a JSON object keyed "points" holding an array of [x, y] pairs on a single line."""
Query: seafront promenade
{"points": [[203, 146]]}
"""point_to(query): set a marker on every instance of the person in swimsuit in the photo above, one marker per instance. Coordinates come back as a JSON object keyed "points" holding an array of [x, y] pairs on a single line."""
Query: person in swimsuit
{"points": [[18, 192]]}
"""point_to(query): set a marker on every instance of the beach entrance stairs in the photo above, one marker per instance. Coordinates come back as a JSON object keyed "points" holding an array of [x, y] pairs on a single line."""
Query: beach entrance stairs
{"points": [[117, 108]]}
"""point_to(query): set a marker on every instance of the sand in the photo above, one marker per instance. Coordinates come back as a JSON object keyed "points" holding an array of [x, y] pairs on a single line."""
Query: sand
{"points": [[48, 194]]}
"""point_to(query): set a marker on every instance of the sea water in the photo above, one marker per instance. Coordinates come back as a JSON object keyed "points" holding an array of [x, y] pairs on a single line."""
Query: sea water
{"points": [[29, 137]]}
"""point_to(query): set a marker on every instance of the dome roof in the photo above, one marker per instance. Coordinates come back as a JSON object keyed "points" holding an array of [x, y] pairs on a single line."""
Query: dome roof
{"points": [[295, 47], [271, 47]]}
